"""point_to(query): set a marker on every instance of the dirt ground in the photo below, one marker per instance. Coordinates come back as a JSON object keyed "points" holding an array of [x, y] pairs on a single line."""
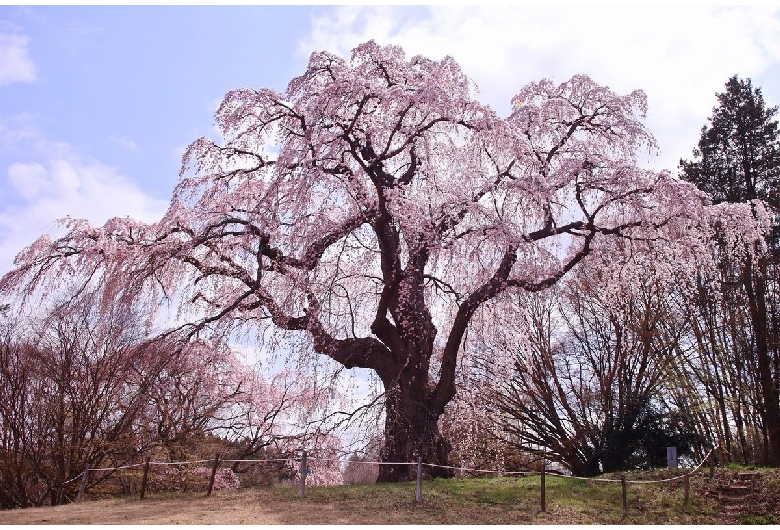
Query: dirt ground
{"points": [[263, 507], [218, 509], [470, 501]]}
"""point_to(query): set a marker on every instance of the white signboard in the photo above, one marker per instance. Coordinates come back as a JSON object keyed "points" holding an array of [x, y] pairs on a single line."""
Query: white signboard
{"points": [[671, 456]]}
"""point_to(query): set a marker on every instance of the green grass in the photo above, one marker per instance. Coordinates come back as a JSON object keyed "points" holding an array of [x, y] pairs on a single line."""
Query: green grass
{"points": [[505, 500], [741, 467], [759, 519], [495, 500]]}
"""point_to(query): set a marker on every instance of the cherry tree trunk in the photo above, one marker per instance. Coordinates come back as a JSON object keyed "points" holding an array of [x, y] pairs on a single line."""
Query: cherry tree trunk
{"points": [[412, 430]]}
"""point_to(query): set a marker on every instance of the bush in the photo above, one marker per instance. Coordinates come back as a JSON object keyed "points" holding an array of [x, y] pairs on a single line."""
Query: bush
{"points": [[191, 479]]}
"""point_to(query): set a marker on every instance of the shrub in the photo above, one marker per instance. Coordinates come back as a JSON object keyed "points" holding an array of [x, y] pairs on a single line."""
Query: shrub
{"points": [[191, 479]]}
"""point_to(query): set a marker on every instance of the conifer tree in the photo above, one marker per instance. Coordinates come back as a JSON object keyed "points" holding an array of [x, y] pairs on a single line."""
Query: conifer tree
{"points": [[738, 160], [738, 156]]}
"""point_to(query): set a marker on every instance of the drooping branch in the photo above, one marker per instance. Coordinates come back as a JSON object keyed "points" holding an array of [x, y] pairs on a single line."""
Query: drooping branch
{"points": [[498, 283], [445, 388], [390, 194]]}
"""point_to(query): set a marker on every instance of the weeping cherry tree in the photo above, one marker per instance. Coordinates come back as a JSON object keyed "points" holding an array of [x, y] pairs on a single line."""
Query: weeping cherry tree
{"points": [[374, 207]]}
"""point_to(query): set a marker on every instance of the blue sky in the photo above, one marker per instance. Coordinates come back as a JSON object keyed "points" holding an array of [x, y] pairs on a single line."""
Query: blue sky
{"points": [[97, 104]]}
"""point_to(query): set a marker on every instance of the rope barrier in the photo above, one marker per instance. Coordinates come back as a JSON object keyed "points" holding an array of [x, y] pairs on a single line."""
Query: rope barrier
{"points": [[465, 469], [151, 464], [113, 468], [659, 481], [180, 463], [74, 478], [263, 460], [361, 462], [483, 470]]}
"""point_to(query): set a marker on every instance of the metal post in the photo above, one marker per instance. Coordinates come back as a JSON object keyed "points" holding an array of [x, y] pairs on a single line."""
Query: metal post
{"points": [[83, 483], [145, 477], [304, 470], [544, 486], [625, 501], [418, 490], [213, 474]]}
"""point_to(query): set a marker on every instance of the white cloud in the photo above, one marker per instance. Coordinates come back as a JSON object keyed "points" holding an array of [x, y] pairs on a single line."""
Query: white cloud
{"points": [[15, 65], [28, 179], [679, 56], [125, 144], [66, 184], [18, 131]]}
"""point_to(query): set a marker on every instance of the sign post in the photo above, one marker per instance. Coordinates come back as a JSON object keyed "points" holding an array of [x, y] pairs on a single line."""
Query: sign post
{"points": [[671, 457]]}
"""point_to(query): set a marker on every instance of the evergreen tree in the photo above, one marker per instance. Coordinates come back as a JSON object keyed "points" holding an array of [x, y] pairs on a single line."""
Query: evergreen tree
{"points": [[738, 157], [738, 160]]}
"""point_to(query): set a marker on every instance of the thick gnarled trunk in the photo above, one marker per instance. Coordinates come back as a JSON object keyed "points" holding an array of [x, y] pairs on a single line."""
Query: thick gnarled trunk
{"points": [[412, 430]]}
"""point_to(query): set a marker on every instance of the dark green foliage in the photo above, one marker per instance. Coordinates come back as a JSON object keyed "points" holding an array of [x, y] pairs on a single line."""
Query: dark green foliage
{"points": [[657, 428], [738, 156]]}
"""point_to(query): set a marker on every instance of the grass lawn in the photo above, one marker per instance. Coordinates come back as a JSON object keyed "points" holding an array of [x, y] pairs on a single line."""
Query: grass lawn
{"points": [[498, 500]]}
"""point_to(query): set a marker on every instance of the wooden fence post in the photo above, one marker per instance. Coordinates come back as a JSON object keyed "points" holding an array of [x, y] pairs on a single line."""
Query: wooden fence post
{"points": [[145, 477], [418, 490], [213, 474], [625, 501], [83, 483], [544, 495], [304, 470], [686, 488]]}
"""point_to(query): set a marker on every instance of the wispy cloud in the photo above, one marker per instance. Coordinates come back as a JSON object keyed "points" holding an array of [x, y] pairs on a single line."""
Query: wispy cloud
{"points": [[16, 66], [125, 144], [56, 182]]}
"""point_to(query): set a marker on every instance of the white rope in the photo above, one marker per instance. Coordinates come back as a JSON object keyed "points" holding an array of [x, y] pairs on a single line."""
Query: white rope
{"points": [[483, 470], [265, 460], [526, 473], [112, 468], [659, 481], [180, 463], [361, 462], [74, 478]]}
